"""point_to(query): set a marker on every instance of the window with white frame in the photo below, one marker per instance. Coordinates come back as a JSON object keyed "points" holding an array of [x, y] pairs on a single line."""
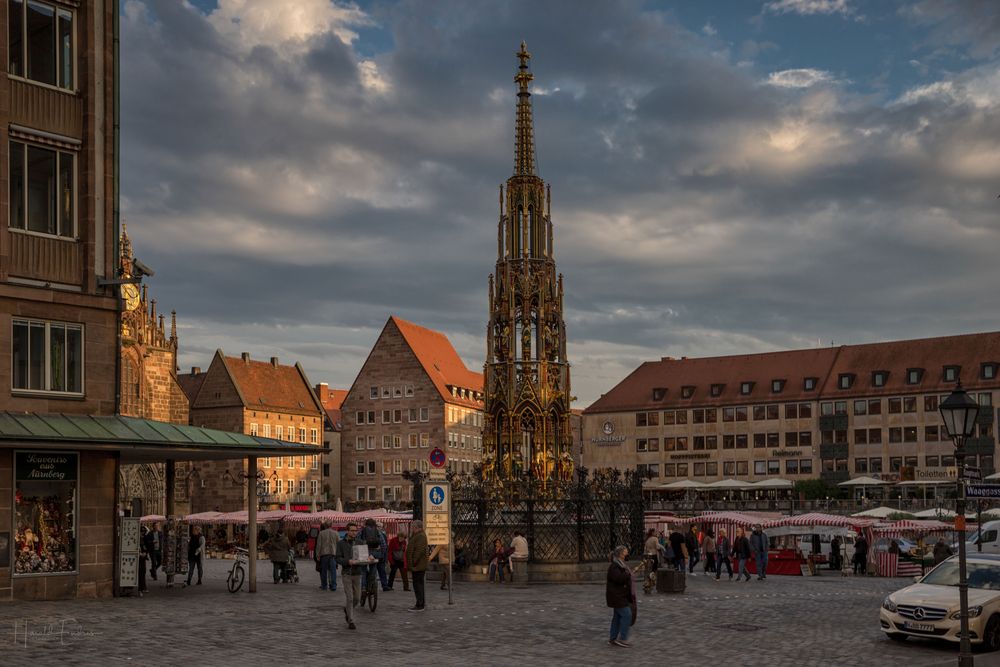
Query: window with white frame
{"points": [[302, 487], [386, 467], [361, 467], [291, 434], [412, 416], [373, 392], [397, 466], [424, 414], [409, 390], [303, 462], [302, 435], [265, 487], [290, 462], [359, 443], [424, 466], [279, 432], [386, 493], [47, 356], [425, 439], [371, 493], [397, 491], [266, 462], [289, 486], [397, 441], [371, 442], [386, 442], [42, 190], [266, 431], [387, 416], [278, 461], [313, 487], [314, 436], [386, 392], [42, 43], [360, 417], [397, 392], [315, 462], [253, 428], [412, 440], [360, 493], [371, 467]]}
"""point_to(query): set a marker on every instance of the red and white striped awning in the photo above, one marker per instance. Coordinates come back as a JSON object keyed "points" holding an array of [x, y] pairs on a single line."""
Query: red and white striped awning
{"points": [[911, 527], [820, 519]]}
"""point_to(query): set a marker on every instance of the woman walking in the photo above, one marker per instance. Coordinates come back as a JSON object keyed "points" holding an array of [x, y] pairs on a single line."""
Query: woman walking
{"points": [[620, 597]]}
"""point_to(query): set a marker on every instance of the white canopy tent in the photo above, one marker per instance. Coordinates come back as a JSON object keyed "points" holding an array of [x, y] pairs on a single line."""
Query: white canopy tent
{"points": [[773, 483], [729, 485], [682, 484], [864, 481], [882, 512]]}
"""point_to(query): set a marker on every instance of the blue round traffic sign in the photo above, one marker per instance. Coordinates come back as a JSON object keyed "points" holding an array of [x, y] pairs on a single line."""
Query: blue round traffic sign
{"points": [[436, 495], [437, 457]]}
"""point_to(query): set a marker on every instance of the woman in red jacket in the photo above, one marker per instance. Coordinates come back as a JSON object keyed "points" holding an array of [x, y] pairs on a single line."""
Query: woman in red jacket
{"points": [[397, 560]]}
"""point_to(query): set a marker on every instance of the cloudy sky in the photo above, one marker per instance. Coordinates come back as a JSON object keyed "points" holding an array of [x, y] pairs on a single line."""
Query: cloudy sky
{"points": [[727, 176]]}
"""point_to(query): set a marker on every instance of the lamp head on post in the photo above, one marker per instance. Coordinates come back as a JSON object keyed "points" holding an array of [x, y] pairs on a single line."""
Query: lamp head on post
{"points": [[959, 412]]}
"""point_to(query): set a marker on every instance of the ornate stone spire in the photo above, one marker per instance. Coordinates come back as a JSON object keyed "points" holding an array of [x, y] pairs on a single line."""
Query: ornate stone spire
{"points": [[125, 252], [524, 129]]}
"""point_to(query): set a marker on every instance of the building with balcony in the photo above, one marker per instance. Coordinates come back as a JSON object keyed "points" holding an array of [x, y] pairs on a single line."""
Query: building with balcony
{"points": [[832, 413], [413, 393]]}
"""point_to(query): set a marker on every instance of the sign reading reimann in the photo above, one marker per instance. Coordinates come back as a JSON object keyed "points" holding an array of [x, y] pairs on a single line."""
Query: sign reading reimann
{"points": [[437, 512]]}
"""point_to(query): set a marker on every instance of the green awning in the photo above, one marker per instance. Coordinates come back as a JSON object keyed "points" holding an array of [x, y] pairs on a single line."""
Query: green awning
{"points": [[139, 440]]}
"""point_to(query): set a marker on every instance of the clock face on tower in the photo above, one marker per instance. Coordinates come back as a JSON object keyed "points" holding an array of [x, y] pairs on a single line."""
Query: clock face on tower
{"points": [[130, 295]]}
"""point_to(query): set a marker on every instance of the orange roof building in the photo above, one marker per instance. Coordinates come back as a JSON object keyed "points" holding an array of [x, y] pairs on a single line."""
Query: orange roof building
{"points": [[834, 413], [413, 393]]}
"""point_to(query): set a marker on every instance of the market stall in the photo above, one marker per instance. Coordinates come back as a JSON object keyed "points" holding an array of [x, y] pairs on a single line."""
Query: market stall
{"points": [[805, 540], [909, 536]]}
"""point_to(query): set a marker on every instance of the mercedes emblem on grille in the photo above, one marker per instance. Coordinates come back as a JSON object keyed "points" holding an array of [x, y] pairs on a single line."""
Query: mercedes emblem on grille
{"points": [[919, 613]]}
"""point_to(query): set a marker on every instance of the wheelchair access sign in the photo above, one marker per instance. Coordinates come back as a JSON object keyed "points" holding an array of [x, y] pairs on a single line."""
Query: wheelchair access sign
{"points": [[437, 512]]}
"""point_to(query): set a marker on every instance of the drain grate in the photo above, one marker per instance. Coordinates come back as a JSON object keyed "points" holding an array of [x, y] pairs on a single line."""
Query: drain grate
{"points": [[742, 627]]}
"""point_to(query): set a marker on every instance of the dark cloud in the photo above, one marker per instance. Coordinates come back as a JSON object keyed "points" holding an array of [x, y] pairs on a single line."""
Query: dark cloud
{"points": [[292, 192]]}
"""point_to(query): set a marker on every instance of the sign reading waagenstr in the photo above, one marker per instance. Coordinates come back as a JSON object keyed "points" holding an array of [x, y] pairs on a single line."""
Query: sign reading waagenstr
{"points": [[983, 490]]}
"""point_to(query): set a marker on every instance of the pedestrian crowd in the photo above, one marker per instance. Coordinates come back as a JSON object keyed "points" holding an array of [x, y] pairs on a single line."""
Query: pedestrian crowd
{"points": [[683, 551]]}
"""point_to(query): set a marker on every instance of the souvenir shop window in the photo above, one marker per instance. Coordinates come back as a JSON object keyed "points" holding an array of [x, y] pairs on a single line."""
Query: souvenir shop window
{"points": [[45, 497]]}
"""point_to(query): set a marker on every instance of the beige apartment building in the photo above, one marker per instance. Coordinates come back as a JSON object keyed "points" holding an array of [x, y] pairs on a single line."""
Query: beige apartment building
{"points": [[413, 393], [259, 398], [832, 413]]}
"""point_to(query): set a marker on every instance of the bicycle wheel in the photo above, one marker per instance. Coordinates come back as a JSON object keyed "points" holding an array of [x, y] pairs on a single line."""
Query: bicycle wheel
{"points": [[235, 580], [372, 593]]}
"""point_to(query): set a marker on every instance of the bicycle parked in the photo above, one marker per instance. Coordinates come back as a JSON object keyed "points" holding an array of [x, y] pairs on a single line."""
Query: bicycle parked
{"points": [[238, 575]]}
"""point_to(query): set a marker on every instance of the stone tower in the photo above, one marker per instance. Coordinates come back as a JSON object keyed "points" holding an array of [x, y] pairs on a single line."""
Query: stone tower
{"points": [[527, 412]]}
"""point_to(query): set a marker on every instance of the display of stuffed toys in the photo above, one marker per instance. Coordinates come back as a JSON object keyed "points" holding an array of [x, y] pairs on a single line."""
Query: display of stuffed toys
{"points": [[43, 543]]}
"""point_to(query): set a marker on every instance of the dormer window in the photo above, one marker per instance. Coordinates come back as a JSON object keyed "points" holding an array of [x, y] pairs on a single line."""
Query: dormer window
{"points": [[746, 388], [687, 391], [879, 378], [914, 375], [988, 371], [845, 380], [717, 389], [777, 386], [659, 393], [951, 373], [809, 384]]}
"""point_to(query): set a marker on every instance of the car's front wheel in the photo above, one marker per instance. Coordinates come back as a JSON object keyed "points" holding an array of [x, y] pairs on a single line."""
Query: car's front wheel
{"points": [[991, 635], [896, 636]]}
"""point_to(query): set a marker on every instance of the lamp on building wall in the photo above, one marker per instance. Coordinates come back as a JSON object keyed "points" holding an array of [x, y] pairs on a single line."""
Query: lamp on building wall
{"points": [[959, 412]]}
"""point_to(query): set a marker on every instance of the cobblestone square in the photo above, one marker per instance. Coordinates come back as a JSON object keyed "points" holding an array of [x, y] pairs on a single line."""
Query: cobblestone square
{"points": [[794, 621]]}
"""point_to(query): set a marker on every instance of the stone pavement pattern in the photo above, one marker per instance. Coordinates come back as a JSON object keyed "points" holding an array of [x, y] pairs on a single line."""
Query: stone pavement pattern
{"points": [[795, 621]]}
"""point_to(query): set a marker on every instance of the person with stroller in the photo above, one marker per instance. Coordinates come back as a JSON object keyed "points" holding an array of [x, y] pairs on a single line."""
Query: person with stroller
{"points": [[277, 551]]}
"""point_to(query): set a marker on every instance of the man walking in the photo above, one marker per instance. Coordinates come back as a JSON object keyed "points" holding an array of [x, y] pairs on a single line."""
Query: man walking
{"points": [[619, 596], [277, 551], [326, 554], [196, 553], [691, 541], [708, 546], [677, 546], [350, 572], [741, 549], [759, 546], [861, 555], [416, 560], [722, 551], [154, 549]]}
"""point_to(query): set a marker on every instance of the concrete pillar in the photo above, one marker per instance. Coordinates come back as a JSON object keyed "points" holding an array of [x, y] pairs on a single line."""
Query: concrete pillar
{"points": [[169, 478], [252, 519]]}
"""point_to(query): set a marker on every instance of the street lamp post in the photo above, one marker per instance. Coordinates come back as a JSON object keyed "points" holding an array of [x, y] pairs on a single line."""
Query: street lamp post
{"points": [[959, 412]]}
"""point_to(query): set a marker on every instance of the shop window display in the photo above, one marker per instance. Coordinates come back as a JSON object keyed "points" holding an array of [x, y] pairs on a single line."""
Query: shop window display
{"points": [[45, 512]]}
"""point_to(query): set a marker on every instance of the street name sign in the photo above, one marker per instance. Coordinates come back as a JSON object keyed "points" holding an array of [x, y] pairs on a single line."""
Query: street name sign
{"points": [[983, 490]]}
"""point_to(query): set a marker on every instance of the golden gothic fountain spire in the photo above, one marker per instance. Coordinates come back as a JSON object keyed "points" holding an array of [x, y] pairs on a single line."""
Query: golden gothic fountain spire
{"points": [[524, 140]]}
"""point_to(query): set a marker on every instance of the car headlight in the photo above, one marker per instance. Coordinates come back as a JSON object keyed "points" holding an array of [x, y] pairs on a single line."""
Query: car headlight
{"points": [[974, 612], [889, 605]]}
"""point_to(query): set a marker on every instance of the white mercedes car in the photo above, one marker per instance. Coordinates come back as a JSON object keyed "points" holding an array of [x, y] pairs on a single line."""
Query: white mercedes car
{"points": [[929, 608]]}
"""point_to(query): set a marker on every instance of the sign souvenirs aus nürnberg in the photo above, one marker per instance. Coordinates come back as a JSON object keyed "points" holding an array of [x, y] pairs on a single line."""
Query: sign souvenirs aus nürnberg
{"points": [[46, 466]]}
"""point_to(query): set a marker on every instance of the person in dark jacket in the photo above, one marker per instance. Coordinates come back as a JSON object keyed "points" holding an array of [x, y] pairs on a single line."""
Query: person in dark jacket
{"points": [[416, 560], [350, 572], [691, 541], [196, 553], [742, 552], [277, 551], [677, 546], [941, 551], [861, 555], [723, 549], [835, 553], [620, 597], [154, 548], [759, 545]]}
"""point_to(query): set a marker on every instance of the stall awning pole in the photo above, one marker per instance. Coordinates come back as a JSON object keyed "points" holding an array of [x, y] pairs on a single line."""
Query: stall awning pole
{"points": [[170, 479], [252, 520]]}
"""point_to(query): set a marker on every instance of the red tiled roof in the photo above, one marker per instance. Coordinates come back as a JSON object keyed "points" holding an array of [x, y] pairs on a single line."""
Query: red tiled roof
{"points": [[265, 385], [440, 361], [967, 351], [636, 392], [190, 384], [331, 400]]}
